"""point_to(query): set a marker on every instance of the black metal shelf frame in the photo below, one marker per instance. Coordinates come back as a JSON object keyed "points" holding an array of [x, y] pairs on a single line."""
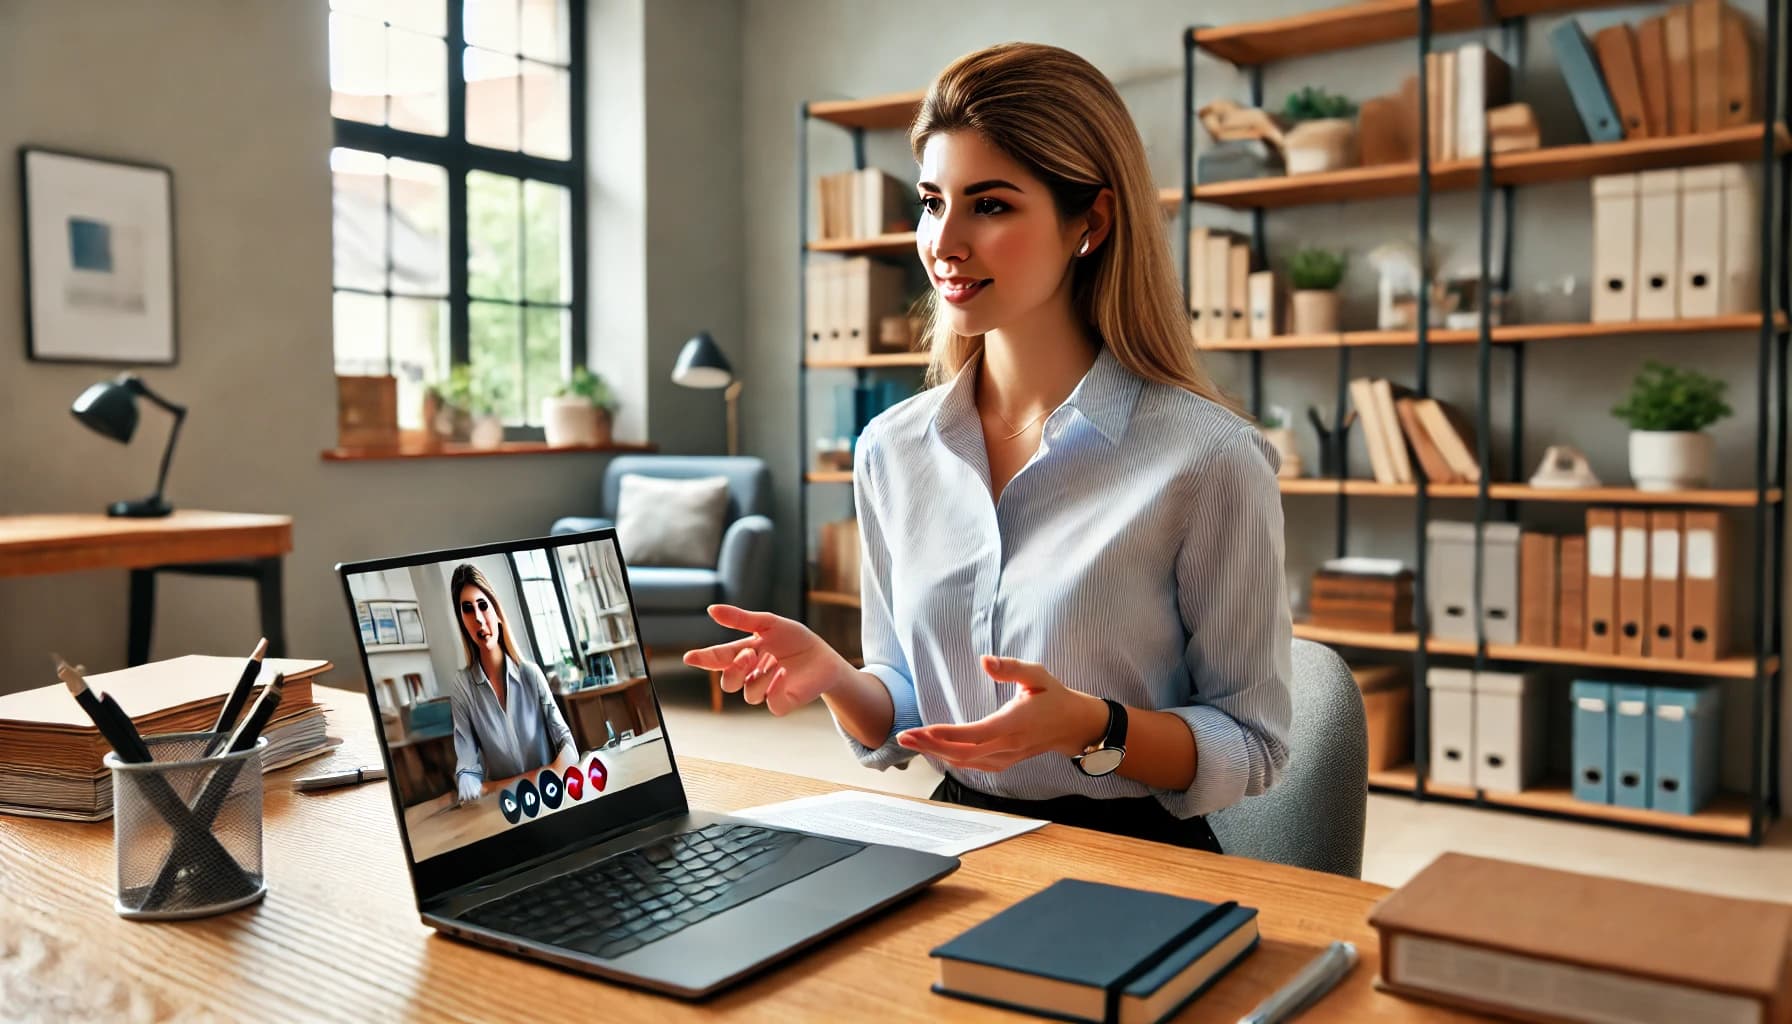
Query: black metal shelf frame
{"points": [[1775, 286]]}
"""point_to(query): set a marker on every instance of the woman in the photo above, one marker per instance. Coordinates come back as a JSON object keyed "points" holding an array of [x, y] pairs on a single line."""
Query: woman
{"points": [[505, 719], [1072, 581]]}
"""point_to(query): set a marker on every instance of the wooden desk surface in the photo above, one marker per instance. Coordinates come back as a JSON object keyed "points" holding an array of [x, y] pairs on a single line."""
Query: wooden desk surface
{"points": [[41, 544], [338, 936]]}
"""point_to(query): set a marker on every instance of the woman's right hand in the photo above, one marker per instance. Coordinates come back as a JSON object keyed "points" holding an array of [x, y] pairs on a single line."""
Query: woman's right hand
{"points": [[782, 665], [468, 789]]}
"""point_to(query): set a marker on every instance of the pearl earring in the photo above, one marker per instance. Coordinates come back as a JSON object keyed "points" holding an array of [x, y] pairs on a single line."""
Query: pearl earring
{"points": [[1083, 250]]}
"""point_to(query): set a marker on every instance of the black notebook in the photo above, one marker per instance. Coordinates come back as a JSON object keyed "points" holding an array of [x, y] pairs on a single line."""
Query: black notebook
{"points": [[1084, 951]]}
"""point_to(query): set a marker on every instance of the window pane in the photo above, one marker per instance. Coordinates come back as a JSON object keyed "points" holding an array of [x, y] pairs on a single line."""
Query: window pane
{"points": [[358, 229], [357, 69], [545, 128], [545, 31], [493, 216], [418, 77], [419, 227], [545, 333], [360, 334], [491, 24], [419, 353], [427, 16], [491, 99], [375, 9], [495, 352], [547, 234]]}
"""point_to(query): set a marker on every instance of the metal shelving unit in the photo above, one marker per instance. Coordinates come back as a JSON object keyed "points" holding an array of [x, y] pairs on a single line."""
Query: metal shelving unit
{"points": [[1247, 47]]}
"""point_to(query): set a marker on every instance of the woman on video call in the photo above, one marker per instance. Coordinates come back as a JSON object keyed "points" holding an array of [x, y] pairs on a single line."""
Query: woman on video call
{"points": [[1073, 594], [505, 719]]}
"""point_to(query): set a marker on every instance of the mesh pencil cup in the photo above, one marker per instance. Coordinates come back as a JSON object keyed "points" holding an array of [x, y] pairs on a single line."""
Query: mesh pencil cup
{"points": [[187, 829]]}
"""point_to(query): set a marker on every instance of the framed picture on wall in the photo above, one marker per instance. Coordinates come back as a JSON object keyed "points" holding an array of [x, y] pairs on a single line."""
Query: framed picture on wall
{"points": [[365, 617], [385, 622], [99, 259], [410, 624]]}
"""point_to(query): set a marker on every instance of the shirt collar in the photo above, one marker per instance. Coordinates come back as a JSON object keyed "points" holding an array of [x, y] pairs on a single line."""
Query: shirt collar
{"points": [[1105, 397]]}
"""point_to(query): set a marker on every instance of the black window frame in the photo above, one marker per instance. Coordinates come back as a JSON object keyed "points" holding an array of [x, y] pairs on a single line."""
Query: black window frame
{"points": [[457, 157]]}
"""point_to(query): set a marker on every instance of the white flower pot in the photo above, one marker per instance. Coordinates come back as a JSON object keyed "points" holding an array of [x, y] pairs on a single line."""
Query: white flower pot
{"points": [[1324, 145], [1669, 460], [569, 420], [1315, 312], [488, 431]]}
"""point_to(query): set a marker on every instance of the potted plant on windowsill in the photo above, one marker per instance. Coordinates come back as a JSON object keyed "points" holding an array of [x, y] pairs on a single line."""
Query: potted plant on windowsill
{"points": [[1323, 136], [1315, 275], [447, 406], [488, 422], [1668, 410], [579, 412]]}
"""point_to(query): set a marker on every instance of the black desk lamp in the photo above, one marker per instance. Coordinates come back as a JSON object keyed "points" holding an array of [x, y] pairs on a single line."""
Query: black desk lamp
{"points": [[701, 364], [110, 408]]}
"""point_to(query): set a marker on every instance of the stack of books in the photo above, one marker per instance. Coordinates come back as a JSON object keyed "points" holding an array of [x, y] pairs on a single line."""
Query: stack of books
{"points": [[52, 757], [864, 204], [1439, 434], [1373, 595], [1690, 69]]}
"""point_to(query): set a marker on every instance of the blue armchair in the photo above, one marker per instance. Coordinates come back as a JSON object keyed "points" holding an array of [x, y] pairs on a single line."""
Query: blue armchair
{"points": [[671, 603]]}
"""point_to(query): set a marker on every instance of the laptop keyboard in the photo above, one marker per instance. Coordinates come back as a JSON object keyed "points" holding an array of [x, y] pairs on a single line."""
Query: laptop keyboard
{"points": [[622, 903]]}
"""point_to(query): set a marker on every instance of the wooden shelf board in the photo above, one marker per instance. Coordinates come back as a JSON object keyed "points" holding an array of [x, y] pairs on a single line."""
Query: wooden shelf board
{"points": [[1169, 197], [1358, 24], [836, 600], [1727, 668], [1403, 778], [829, 476], [1353, 487], [1363, 488], [898, 243], [1553, 163], [885, 361], [1284, 341], [1357, 638], [412, 445], [877, 113], [1727, 815], [1511, 334]]}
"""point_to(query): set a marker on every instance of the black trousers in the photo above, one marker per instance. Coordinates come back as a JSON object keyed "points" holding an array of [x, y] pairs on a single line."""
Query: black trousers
{"points": [[1139, 817]]}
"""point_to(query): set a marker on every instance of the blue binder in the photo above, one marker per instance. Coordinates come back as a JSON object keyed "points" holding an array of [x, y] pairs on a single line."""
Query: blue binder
{"points": [[1581, 71], [1630, 746], [1686, 723], [1592, 702]]}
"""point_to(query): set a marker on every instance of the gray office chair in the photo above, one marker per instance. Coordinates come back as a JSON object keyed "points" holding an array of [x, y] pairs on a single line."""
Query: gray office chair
{"points": [[1313, 817], [671, 603]]}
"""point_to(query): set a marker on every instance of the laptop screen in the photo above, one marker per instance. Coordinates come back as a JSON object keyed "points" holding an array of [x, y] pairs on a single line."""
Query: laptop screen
{"points": [[514, 706]]}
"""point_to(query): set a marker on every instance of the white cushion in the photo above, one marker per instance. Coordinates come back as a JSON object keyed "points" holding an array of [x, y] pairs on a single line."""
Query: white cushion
{"points": [[670, 522]]}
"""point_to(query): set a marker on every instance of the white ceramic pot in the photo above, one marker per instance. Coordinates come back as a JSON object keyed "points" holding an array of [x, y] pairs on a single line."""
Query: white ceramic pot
{"points": [[1669, 460], [1314, 312], [569, 420], [488, 431], [1323, 145]]}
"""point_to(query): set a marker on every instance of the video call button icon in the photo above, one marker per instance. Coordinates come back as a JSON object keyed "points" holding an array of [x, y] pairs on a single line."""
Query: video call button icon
{"points": [[597, 775], [527, 795], [574, 783], [550, 788], [513, 810]]}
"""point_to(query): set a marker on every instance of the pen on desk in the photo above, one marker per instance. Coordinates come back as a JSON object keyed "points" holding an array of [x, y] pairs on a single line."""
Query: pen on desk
{"points": [[239, 695], [1313, 981], [335, 779], [113, 723]]}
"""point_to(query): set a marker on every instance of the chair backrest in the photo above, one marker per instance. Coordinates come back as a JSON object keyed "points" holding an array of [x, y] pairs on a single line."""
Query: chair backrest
{"points": [[1312, 818], [749, 481]]}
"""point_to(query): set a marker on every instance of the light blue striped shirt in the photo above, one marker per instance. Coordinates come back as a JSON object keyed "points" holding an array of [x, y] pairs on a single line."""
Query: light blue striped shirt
{"points": [[1137, 556]]}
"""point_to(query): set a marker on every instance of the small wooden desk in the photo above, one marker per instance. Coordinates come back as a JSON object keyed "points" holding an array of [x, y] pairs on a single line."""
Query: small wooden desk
{"points": [[194, 543], [338, 936]]}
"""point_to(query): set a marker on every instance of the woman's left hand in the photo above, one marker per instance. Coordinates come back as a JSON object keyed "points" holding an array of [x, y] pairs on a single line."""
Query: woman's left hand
{"points": [[1045, 717]]}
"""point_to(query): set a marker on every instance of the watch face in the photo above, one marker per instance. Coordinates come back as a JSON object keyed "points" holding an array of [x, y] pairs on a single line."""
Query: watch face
{"points": [[1101, 762]]}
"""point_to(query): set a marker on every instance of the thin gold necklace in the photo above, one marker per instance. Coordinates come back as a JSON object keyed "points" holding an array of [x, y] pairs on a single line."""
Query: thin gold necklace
{"points": [[1024, 427]]}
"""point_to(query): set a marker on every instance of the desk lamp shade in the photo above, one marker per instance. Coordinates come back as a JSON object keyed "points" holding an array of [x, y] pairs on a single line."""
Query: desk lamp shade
{"points": [[701, 364], [109, 408]]}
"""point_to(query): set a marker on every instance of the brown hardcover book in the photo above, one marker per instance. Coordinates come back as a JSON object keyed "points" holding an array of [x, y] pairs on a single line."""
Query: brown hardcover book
{"points": [[1707, 64], [1464, 929], [1376, 604], [1619, 64], [1362, 396], [1380, 129], [1537, 615], [1393, 439], [1571, 593], [1437, 470], [1450, 430], [1736, 84], [1652, 65], [1678, 37]]}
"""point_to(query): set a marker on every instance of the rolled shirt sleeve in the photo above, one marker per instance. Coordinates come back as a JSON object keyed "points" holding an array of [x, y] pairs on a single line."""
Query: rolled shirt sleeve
{"points": [[1232, 596]]}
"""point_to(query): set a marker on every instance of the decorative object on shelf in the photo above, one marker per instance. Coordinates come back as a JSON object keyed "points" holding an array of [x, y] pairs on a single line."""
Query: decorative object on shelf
{"points": [[1564, 468], [833, 454], [1229, 121], [1315, 275], [1324, 134], [579, 411], [1512, 129], [367, 411], [1331, 445], [109, 409], [99, 259], [1281, 437], [1240, 160], [1397, 291], [1455, 300], [1668, 410], [900, 333], [702, 365]]}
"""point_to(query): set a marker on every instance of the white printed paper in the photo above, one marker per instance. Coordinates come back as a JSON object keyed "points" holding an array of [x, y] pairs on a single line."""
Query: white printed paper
{"points": [[893, 821]]}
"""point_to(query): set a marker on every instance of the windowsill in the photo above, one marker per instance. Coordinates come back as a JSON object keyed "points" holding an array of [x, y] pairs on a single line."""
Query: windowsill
{"points": [[417, 446]]}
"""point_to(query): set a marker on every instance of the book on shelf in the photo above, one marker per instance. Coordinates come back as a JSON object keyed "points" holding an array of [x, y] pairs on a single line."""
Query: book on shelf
{"points": [[864, 203], [1691, 69], [52, 757], [1393, 419]]}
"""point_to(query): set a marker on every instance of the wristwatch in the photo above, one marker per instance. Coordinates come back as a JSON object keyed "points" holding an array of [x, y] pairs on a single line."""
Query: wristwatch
{"points": [[1104, 757]]}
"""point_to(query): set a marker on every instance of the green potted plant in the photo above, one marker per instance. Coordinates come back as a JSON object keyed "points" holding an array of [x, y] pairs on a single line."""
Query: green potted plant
{"points": [[1315, 274], [1323, 132], [579, 411], [1668, 410], [448, 405], [487, 398]]}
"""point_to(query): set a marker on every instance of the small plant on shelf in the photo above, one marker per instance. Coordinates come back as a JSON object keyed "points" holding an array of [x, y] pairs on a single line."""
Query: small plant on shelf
{"points": [[1316, 274], [1667, 411], [1323, 136], [1316, 104]]}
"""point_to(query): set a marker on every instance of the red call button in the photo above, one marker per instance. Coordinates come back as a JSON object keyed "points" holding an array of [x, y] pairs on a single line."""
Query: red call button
{"points": [[597, 775], [574, 783]]}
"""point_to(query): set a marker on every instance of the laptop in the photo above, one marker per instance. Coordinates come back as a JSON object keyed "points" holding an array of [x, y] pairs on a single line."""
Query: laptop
{"points": [[550, 822]]}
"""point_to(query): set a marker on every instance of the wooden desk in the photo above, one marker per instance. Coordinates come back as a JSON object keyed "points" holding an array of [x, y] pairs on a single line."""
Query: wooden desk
{"points": [[194, 543], [338, 936]]}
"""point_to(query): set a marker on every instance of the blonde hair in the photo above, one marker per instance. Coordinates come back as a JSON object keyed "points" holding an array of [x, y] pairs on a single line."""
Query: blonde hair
{"points": [[1054, 113]]}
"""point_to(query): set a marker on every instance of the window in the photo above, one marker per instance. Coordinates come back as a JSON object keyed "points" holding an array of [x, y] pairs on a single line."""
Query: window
{"points": [[458, 196]]}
